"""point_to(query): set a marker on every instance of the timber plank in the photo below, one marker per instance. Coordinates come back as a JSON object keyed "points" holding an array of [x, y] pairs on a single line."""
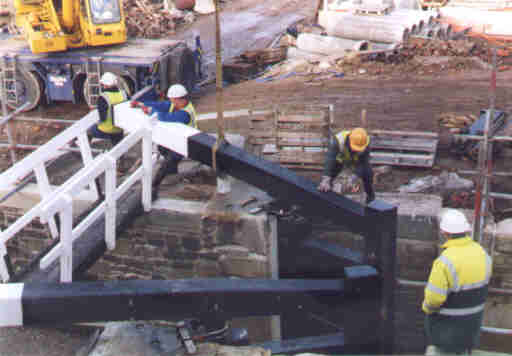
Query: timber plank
{"points": [[402, 159], [410, 144], [404, 133], [298, 156]]}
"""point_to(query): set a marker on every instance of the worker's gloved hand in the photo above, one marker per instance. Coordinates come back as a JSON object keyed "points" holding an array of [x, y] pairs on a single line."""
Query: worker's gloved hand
{"points": [[326, 184], [337, 187], [353, 180], [135, 103], [146, 110]]}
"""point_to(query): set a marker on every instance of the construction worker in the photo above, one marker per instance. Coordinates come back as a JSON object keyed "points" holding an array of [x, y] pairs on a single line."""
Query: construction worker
{"points": [[177, 109], [349, 147], [456, 290], [110, 95]]}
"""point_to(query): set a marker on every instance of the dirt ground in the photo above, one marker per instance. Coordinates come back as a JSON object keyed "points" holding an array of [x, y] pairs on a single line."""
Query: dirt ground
{"points": [[404, 102]]}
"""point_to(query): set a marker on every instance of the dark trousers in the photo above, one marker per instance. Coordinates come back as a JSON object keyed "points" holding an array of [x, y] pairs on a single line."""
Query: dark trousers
{"points": [[115, 138], [169, 166]]}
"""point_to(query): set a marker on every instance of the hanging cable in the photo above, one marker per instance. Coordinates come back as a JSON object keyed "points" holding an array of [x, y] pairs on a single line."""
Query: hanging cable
{"points": [[219, 91]]}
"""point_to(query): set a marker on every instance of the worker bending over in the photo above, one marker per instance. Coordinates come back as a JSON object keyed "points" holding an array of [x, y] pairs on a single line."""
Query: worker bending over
{"points": [[349, 148], [177, 109], [456, 290], [110, 95]]}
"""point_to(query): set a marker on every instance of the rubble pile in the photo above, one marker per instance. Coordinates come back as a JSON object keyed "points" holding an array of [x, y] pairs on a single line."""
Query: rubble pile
{"points": [[146, 19], [467, 47], [456, 122]]}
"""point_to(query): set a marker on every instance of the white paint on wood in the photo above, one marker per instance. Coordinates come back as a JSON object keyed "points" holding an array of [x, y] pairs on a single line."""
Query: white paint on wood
{"points": [[48, 151], [11, 310]]}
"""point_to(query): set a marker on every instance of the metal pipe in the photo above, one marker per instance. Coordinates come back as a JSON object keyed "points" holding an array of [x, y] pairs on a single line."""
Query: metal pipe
{"points": [[406, 282], [480, 138], [491, 330], [5, 119], [32, 147], [499, 195], [499, 174], [58, 121], [487, 329]]}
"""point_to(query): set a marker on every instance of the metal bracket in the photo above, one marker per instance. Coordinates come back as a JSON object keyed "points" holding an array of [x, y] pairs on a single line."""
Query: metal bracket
{"points": [[184, 335], [4, 269]]}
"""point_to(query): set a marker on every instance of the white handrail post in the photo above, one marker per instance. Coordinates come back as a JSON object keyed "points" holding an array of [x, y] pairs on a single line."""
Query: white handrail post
{"points": [[147, 164], [110, 201], [4, 271], [66, 237], [87, 158], [44, 188]]}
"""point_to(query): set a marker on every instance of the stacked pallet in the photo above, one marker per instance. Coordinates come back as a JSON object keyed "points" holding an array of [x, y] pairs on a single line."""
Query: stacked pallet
{"points": [[403, 148], [294, 138]]}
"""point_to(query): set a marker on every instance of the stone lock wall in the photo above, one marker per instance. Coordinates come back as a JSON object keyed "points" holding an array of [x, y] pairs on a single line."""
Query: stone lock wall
{"points": [[498, 241], [28, 243], [171, 242]]}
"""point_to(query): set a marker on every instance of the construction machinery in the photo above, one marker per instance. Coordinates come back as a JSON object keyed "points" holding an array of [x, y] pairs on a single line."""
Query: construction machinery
{"points": [[72, 42], [58, 25]]}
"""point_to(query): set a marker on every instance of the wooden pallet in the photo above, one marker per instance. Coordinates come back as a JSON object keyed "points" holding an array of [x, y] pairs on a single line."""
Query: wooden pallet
{"points": [[373, 10], [293, 137], [300, 141], [403, 148]]}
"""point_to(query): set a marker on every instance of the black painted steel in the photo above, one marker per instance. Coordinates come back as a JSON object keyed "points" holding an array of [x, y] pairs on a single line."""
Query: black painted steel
{"points": [[372, 314], [173, 299], [384, 227], [306, 344], [279, 182]]}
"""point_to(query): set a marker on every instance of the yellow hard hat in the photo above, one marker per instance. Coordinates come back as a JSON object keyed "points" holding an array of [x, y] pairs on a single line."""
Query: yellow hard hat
{"points": [[359, 139]]}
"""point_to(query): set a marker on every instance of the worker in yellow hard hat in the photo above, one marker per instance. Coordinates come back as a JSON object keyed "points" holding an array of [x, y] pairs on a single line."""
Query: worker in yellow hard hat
{"points": [[456, 290], [349, 147]]}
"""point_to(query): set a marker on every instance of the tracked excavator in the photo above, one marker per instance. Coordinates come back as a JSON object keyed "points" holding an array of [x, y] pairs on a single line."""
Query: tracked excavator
{"points": [[68, 44]]}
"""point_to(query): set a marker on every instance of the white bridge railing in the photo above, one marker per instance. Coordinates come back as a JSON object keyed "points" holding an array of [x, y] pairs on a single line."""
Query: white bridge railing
{"points": [[59, 200]]}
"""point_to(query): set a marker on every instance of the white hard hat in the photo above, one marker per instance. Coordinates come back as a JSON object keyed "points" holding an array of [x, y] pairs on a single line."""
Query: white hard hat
{"points": [[453, 221], [107, 15], [108, 79], [176, 91]]}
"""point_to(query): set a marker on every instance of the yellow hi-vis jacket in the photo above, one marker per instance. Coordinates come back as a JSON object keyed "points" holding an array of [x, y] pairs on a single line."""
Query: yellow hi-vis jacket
{"points": [[191, 111], [459, 279], [112, 98], [344, 156]]}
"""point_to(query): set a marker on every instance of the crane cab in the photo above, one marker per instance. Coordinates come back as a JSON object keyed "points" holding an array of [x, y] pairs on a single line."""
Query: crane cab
{"points": [[58, 25]]}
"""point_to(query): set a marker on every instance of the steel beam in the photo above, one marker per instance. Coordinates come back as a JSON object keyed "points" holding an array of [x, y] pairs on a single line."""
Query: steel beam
{"points": [[39, 303], [281, 183]]}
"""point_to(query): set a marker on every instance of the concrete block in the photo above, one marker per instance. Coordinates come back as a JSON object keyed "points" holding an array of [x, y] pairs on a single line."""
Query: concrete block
{"points": [[417, 214], [252, 266]]}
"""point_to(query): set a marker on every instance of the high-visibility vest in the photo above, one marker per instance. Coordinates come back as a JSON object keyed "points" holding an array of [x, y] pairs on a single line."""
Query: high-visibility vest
{"points": [[191, 111], [459, 279], [456, 292], [345, 155], [112, 98]]}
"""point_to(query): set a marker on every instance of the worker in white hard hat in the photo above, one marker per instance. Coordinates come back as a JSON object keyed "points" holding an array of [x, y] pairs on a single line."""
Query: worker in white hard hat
{"points": [[178, 109], [349, 148], [110, 95], [456, 290], [106, 129]]}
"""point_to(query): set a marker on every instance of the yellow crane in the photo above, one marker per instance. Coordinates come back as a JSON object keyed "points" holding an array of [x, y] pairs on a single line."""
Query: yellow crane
{"points": [[58, 25]]}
